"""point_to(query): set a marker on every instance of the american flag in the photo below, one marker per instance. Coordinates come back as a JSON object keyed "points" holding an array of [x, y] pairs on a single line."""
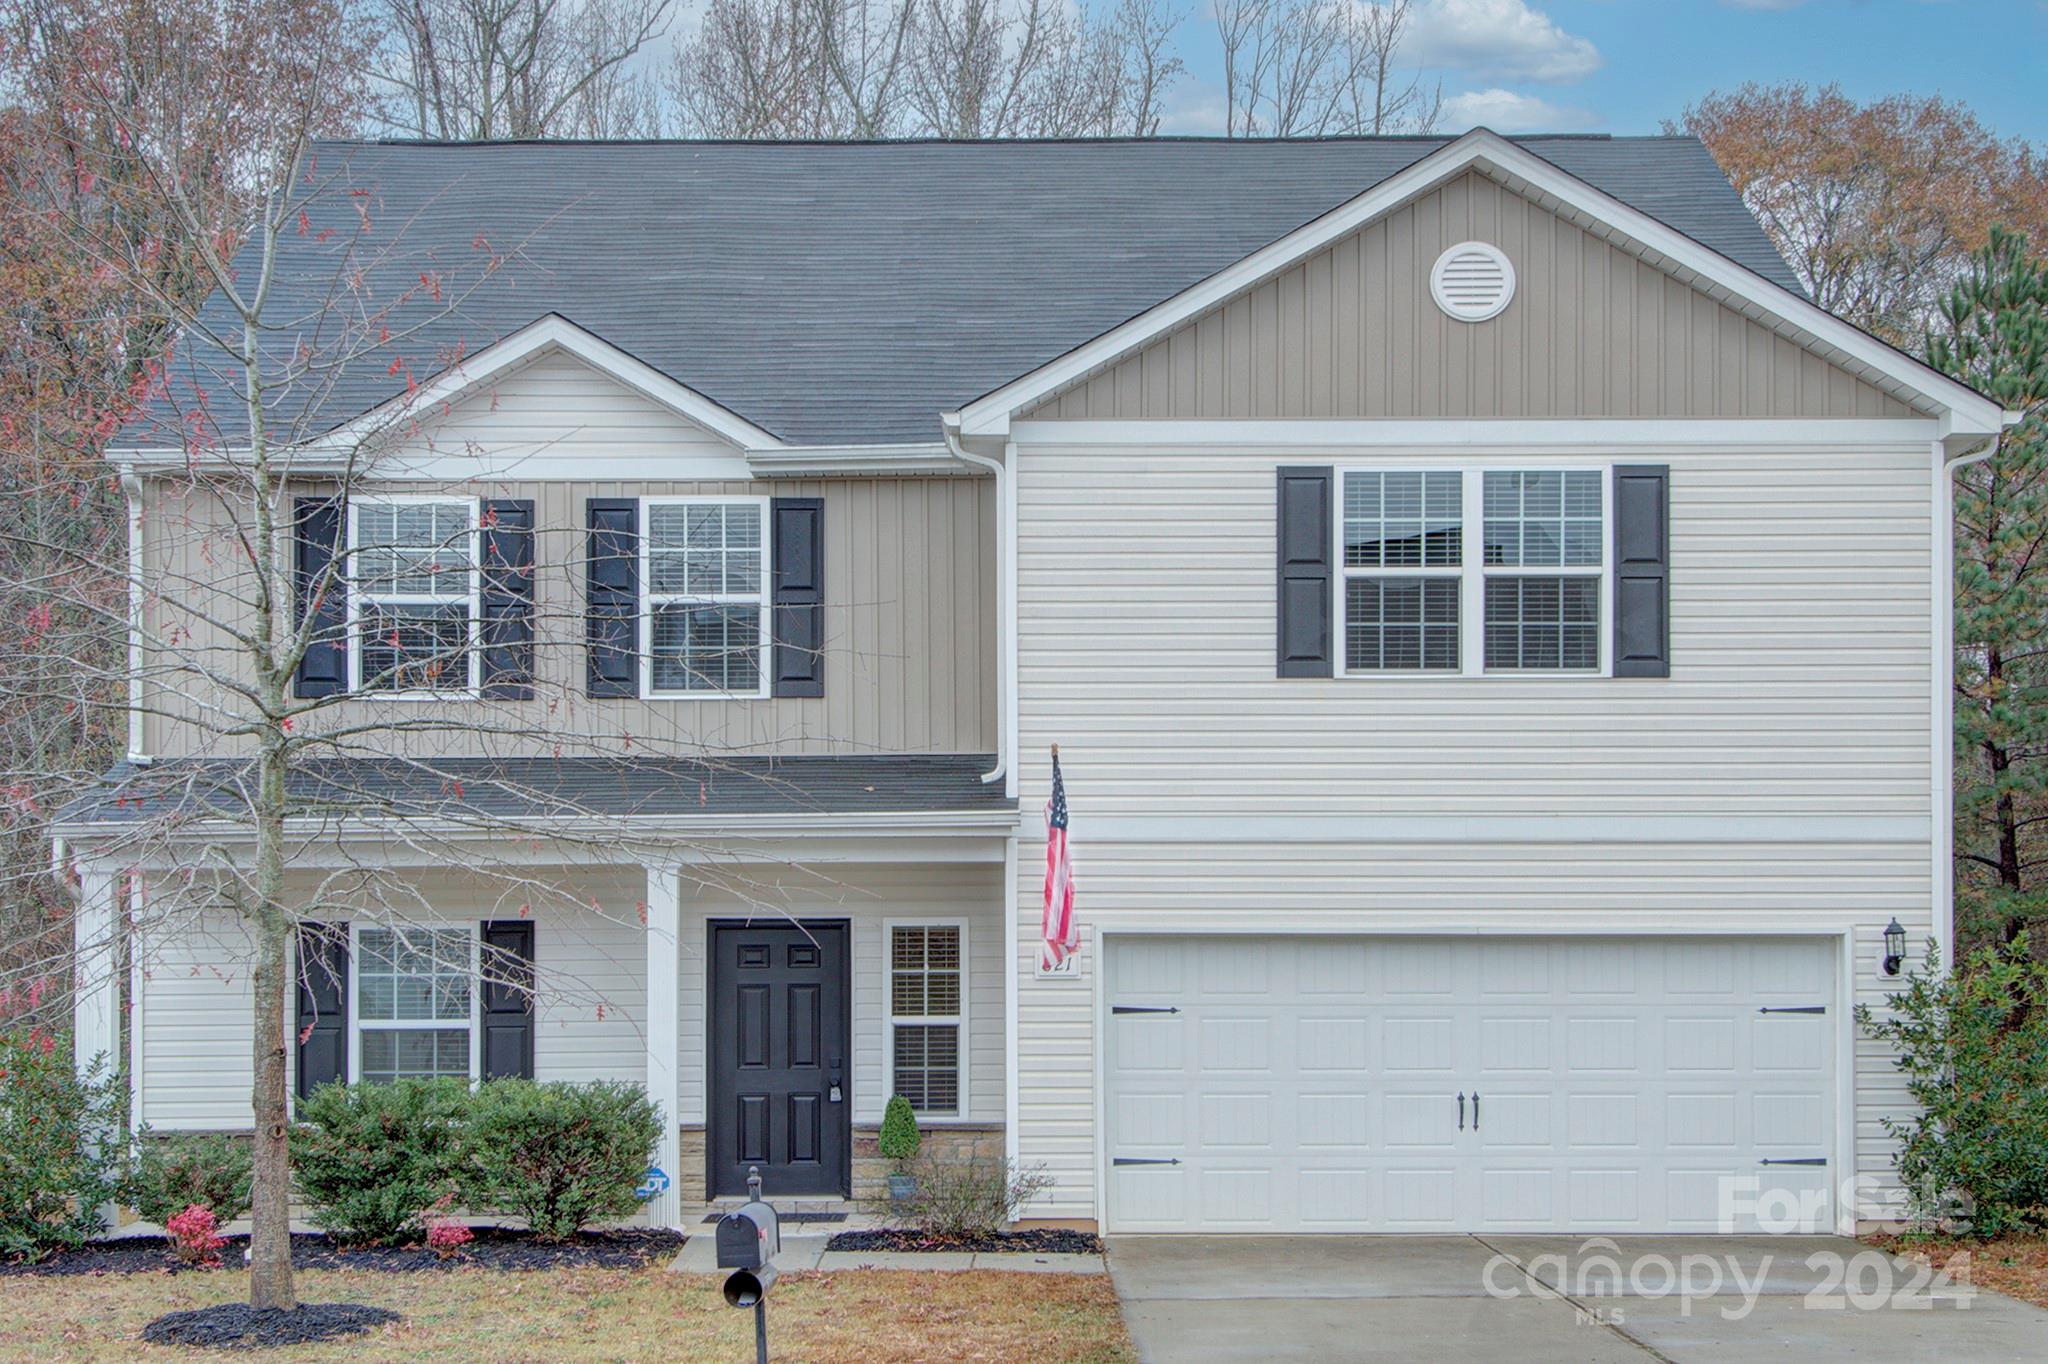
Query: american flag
{"points": [[1058, 927]]}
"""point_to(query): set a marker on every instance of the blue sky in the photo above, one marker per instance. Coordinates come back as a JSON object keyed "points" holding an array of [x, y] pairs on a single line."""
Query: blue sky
{"points": [[1621, 66]]}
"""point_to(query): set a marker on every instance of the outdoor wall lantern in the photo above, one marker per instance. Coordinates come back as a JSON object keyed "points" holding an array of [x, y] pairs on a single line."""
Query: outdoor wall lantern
{"points": [[1894, 947]]}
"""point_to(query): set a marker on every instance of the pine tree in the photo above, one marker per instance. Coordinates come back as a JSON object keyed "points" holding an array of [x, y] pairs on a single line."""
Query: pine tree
{"points": [[1993, 334]]}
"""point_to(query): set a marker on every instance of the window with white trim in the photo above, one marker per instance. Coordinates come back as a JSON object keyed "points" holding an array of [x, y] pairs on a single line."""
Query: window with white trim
{"points": [[415, 1008], [414, 591], [1545, 526], [705, 564], [1403, 534], [927, 1012], [1422, 594]]}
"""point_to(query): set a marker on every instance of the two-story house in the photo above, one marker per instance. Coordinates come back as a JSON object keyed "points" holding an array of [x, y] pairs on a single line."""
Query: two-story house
{"points": [[1493, 623]]}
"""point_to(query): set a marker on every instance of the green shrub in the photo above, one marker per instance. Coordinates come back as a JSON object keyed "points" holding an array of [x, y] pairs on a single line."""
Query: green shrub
{"points": [[370, 1159], [898, 1139], [171, 1173], [62, 1144], [559, 1155], [1973, 1044], [966, 1199]]}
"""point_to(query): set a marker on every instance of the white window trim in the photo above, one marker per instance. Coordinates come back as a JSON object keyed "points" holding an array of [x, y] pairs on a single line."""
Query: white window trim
{"points": [[648, 597], [355, 1013], [1472, 570], [963, 1113], [476, 603]]}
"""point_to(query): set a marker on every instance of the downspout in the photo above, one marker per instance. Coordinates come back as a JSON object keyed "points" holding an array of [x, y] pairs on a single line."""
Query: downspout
{"points": [[1944, 870], [1004, 770], [132, 486], [1006, 606]]}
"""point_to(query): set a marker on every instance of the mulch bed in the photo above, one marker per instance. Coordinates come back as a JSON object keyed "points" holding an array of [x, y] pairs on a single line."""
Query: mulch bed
{"points": [[1035, 1241], [493, 1248], [237, 1326]]}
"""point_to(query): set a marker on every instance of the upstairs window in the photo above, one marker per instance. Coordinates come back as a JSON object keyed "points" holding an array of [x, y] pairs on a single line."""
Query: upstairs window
{"points": [[413, 597], [706, 618], [927, 1010], [1403, 549], [1423, 594], [1544, 559]]}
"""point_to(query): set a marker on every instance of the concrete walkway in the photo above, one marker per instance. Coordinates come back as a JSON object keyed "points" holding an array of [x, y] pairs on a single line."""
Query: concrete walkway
{"points": [[699, 1255], [1678, 1299]]}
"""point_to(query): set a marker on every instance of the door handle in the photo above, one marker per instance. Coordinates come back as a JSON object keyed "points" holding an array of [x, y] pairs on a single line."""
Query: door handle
{"points": [[1461, 1110], [1475, 1110]]}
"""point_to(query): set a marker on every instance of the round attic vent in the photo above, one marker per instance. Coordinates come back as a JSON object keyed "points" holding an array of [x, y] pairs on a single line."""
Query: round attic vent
{"points": [[1472, 281]]}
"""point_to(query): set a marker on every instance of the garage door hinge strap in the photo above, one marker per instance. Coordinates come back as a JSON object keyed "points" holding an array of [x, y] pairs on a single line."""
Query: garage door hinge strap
{"points": [[1794, 1009], [1795, 1160], [1143, 1009], [1143, 1160]]}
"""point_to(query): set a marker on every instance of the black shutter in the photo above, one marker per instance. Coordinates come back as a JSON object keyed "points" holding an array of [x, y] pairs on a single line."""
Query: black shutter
{"points": [[1305, 504], [1642, 570], [612, 600], [798, 556], [507, 625], [322, 1005], [316, 539], [508, 998]]}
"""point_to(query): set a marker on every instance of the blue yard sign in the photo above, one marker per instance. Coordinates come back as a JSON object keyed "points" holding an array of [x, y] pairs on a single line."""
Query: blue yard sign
{"points": [[653, 1181]]}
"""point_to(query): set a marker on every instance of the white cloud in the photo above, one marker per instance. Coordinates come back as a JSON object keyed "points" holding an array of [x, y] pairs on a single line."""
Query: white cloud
{"points": [[1507, 111], [1194, 108], [1498, 40]]}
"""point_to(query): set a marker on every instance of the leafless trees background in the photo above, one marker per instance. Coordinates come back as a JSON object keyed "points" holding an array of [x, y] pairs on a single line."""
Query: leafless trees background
{"points": [[464, 69]]}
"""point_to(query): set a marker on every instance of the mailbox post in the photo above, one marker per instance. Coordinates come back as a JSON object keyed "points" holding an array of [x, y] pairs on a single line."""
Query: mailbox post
{"points": [[749, 1239]]}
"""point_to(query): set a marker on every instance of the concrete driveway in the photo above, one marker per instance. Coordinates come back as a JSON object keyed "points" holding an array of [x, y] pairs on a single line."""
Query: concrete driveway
{"points": [[1534, 1298]]}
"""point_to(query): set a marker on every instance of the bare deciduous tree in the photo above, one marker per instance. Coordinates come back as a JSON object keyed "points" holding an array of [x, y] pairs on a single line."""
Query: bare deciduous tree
{"points": [[924, 68], [1306, 68], [463, 70]]}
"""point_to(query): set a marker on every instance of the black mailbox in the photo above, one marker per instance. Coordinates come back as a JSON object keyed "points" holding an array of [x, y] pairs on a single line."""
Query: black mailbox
{"points": [[749, 1237]]}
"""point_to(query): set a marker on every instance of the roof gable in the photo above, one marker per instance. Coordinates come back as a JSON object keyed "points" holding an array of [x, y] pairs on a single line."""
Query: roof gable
{"points": [[1352, 331], [1745, 291]]}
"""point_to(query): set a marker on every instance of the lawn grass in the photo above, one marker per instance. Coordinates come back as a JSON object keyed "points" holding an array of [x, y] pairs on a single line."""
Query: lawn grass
{"points": [[865, 1317], [2016, 1266]]}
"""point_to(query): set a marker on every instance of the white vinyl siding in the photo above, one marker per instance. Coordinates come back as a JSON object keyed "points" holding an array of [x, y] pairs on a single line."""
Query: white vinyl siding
{"points": [[1209, 794], [196, 1000]]}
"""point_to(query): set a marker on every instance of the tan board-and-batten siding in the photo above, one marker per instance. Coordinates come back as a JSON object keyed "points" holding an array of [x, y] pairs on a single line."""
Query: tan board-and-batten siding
{"points": [[910, 625], [1351, 331]]}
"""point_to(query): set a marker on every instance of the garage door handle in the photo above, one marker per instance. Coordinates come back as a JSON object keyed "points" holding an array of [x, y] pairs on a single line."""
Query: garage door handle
{"points": [[1461, 1110], [1794, 1009], [1143, 1009], [1475, 1110], [1794, 1160], [1144, 1160]]}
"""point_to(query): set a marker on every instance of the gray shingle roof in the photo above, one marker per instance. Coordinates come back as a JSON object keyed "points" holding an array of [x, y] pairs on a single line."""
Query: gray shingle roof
{"points": [[846, 292], [556, 788]]}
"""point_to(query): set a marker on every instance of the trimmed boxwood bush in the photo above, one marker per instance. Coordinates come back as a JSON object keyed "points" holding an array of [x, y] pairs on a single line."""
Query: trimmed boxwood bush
{"points": [[62, 1144], [172, 1173], [372, 1158], [898, 1140], [559, 1155]]}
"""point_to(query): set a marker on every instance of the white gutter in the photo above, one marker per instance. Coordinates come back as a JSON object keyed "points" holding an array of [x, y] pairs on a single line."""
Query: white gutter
{"points": [[1006, 602], [131, 485], [1943, 700]]}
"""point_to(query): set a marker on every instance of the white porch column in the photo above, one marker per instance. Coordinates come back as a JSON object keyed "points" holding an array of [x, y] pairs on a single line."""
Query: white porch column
{"points": [[96, 994], [664, 1069]]}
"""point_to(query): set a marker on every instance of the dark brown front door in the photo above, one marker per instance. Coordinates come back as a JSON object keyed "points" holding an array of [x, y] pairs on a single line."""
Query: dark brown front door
{"points": [[779, 1072]]}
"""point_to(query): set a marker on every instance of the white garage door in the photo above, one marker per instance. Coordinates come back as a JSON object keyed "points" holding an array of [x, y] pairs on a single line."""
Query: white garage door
{"points": [[1339, 1084]]}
